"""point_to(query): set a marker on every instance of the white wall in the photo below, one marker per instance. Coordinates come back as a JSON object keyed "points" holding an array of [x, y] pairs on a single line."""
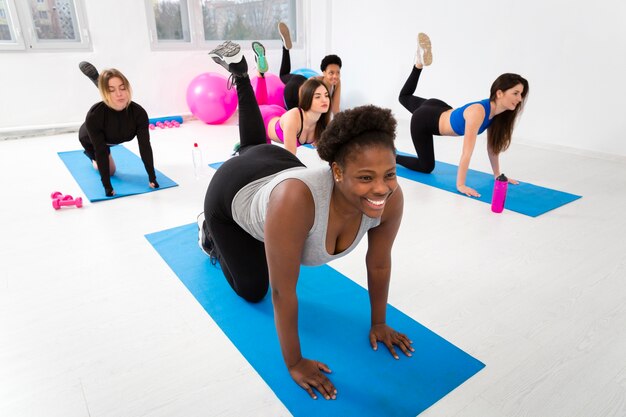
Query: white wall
{"points": [[571, 53], [46, 89]]}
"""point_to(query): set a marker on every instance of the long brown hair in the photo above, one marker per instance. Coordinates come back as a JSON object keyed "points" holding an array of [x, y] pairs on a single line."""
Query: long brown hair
{"points": [[501, 129], [305, 101]]}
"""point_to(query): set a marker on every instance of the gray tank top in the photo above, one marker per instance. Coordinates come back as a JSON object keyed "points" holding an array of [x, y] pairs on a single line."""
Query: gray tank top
{"points": [[249, 208]]}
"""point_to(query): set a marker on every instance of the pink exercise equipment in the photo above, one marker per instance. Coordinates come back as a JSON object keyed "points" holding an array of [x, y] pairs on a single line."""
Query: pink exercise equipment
{"points": [[59, 195], [275, 89], [59, 200], [209, 98]]}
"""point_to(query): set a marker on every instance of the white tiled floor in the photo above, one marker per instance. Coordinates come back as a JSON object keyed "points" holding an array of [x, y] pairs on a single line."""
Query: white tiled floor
{"points": [[93, 322]]}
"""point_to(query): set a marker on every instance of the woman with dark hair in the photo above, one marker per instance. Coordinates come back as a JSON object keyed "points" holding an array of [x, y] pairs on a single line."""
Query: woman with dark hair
{"points": [[300, 125], [265, 214], [497, 115], [114, 120], [331, 74]]}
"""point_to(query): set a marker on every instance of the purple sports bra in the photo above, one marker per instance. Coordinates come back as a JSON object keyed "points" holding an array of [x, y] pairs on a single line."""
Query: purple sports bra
{"points": [[281, 135]]}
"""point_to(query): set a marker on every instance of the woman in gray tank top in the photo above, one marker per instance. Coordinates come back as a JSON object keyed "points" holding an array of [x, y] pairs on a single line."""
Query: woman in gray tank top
{"points": [[265, 214]]}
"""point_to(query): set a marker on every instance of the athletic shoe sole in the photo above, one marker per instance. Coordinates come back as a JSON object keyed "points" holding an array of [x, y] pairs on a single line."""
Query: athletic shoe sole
{"points": [[283, 29], [89, 70], [261, 61], [424, 42], [226, 54]]}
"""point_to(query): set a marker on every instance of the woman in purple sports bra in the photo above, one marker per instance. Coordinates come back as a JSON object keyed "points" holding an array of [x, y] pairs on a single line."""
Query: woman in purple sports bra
{"points": [[497, 115], [300, 125]]}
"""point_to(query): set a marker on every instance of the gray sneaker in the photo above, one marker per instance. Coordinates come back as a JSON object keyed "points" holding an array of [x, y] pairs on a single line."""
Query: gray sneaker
{"points": [[229, 56]]}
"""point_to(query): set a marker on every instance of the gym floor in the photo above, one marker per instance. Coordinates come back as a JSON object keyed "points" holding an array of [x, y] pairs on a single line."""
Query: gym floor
{"points": [[93, 323]]}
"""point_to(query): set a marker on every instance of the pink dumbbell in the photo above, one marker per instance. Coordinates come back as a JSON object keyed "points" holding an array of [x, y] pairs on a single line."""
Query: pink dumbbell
{"points": [[57, 203], [151, 126], [175, 123], [59, 195]]}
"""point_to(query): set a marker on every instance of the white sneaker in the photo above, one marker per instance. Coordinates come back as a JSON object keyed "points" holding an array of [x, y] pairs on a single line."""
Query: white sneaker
{"points": [[283, 29], [419, 60], [424, 49], [202, 240]]}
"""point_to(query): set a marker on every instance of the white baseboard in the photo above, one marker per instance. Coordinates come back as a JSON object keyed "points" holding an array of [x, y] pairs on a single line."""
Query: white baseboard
{"points": [[50, 130]]}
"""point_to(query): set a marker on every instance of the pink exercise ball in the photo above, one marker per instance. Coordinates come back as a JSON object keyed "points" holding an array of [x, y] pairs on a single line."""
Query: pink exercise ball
{"points": [[275, 89], [209, 99]]}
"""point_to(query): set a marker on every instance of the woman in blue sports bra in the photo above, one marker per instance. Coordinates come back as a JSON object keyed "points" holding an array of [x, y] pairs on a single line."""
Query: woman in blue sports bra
{"points": [[497, 115], [299, 125]]}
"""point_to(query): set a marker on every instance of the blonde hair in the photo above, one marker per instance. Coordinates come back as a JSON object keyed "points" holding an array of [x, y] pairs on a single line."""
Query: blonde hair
{"points": [[103, 85]]}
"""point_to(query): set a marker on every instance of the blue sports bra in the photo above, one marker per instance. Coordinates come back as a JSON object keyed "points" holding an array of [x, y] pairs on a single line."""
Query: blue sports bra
{"points": [[457, 121]]}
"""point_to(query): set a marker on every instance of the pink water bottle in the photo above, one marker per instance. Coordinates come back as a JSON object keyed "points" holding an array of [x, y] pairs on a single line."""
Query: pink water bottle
{"points": [[499, 193]]}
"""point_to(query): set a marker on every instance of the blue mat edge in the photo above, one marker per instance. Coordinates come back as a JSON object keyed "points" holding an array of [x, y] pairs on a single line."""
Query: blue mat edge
{"points": [[150, 237], [165, 182], [486, 198]]}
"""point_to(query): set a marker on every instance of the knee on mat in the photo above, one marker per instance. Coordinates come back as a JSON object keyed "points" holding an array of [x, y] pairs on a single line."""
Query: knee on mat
{"points": [[429, 167], [254, 296]]}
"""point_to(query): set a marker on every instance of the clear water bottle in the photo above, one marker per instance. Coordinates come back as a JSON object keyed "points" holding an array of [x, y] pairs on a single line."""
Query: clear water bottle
{"points": [[499, 193], [196, 156]]}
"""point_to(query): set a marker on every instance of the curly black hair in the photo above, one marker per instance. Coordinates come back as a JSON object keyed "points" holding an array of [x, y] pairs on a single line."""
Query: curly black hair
{"points": [[356, 129], [330, 59]]}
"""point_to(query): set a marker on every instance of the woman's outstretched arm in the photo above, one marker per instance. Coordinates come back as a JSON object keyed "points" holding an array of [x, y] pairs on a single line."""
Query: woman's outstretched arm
{"points": [[378, 261], [474, 116], [290, 216]]}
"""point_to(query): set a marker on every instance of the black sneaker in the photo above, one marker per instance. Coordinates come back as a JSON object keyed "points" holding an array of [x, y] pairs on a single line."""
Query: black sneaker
{"points": [[204, 240], [90, 71], [229, 56]]}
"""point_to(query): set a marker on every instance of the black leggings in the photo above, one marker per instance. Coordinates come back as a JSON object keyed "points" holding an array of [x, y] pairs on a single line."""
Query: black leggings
{"points": [[83, 137], [242, 257], [424, 124], [292, 82]]}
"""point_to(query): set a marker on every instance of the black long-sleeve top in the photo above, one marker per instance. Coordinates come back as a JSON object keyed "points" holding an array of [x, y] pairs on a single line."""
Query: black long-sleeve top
{"points": [[107, 126]]}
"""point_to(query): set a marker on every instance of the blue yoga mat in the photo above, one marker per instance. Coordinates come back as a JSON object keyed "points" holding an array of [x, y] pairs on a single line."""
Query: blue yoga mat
{"points": [[525, 198], [130, 176], [155, 120], [334, 316]]}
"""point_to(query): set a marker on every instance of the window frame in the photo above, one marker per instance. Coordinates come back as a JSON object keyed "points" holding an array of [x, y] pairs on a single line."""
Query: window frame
{"points": [[17, 43], [196, 30], [23, 26]]}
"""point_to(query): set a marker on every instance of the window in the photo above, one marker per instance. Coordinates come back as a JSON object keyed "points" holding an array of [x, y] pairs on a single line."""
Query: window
{"points": [[8, 37], [46, 24], [172, 20], [179, 24]]}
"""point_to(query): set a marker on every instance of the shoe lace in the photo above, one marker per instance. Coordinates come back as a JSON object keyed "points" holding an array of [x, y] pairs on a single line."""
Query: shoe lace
{"points": [[231, 82]]}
